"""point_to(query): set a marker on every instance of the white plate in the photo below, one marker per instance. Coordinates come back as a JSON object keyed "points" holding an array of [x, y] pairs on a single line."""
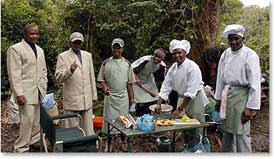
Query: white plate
{"points": [[164, 107]]}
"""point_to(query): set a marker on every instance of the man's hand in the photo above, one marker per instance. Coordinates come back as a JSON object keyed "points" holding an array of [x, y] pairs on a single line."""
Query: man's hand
{"points": [[168, 101], [218, 105], [106, 90], [138, 82], [74, 66], [158, 108], [176, 114], [132, 108], [131, 101], [247, 115], [21, 100]]}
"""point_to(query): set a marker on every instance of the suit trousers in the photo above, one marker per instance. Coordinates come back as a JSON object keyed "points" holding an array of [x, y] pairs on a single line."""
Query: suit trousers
{"points": [[86, 123], [29, 132]]}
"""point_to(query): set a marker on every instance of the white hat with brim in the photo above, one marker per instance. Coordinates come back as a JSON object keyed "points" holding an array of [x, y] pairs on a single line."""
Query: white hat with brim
{"points": [[76, 36], [118, 41]]}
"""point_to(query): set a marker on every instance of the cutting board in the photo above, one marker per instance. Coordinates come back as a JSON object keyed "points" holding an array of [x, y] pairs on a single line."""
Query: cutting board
{"points": [[180, 122]]}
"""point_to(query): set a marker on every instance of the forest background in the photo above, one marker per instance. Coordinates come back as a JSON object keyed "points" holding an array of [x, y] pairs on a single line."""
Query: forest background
{"points": [[143, 25]]}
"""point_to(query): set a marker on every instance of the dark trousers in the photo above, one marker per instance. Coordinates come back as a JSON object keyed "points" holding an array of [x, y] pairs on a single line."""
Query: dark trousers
{"points": [[143, 108], [173, 98]]}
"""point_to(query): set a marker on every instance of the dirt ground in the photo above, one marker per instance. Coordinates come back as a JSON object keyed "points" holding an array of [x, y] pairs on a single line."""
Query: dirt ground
{"points": [[259, 132]]}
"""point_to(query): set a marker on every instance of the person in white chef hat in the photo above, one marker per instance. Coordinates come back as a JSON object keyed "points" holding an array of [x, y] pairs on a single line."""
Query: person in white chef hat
{"points": [[185, 77], [238, 90]]}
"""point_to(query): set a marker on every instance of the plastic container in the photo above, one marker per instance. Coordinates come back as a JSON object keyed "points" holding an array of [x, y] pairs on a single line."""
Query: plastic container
{"points": [[98, 122]]}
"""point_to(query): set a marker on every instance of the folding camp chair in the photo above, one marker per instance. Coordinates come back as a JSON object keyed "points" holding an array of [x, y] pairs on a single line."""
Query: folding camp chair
{"points": [[64, 139]]}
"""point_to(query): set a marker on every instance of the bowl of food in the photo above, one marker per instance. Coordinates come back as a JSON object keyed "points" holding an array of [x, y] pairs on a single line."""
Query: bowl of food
{"points": [[98, 122], [165, 113]]}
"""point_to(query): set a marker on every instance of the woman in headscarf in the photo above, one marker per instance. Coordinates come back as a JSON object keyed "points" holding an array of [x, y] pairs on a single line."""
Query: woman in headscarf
{"points": [[145, 89]]}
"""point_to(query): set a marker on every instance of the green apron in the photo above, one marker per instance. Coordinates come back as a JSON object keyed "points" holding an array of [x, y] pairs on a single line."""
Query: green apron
{"points": [[236, 103], [116, 74], [195, 110], [147, 80], [196, 107]]}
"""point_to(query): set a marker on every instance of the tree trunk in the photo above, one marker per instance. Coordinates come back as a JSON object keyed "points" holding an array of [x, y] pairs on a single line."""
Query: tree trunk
{"points": [[206, 22]]}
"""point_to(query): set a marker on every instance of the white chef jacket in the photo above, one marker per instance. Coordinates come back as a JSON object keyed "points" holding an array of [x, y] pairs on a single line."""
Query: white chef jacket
{"points": [[185, 79], [241, 68]]}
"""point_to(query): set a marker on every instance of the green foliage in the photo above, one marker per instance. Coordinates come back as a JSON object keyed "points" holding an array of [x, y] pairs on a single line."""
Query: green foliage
{"points": [[144, 18], [143, 25], [257, 34], [256, 22], [231, 13], [15, 15]]}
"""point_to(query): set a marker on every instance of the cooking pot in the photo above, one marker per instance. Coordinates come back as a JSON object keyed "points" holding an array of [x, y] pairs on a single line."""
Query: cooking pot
{"points": [[165, 113]]}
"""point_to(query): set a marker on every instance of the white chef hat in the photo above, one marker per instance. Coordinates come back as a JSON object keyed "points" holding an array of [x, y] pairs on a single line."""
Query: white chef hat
{"points": [[234, 29], [180, 44]]}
